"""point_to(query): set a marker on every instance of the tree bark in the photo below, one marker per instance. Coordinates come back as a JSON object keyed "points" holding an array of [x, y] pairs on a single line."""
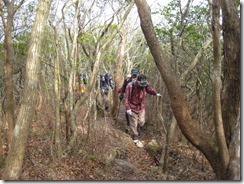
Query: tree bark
{"points": [[235, 156], [8, 66], [231, 65], [57, 98], [170, 133], [218, 122], [18, 146], [118, 71]]}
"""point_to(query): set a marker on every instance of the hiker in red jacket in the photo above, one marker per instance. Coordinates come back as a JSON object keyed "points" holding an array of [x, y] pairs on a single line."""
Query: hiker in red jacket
{"points": [[135, 103], [134, 74]]}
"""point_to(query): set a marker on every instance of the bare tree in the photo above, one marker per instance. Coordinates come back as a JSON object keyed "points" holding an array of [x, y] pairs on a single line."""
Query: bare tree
{"points": [[57, 83], [11, 8], [14, 161]]}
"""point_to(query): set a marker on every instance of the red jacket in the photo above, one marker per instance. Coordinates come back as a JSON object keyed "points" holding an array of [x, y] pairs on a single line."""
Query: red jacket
{"points": [[136, 101], [125, 83]]}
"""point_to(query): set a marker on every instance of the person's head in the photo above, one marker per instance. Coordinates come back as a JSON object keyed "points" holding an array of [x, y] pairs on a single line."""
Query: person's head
{"points": [[134, 73], [107, 76], [142, 80]]}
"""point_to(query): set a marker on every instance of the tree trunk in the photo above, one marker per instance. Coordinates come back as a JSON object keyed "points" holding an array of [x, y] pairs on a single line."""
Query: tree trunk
{"points": [[1, 144], [118, 71], [235, 159], [57, 99], [231, 64], [8, 67], [73, 59], [25, 116], [231, 84], [170, 133], [197, 58], [218, 122]]}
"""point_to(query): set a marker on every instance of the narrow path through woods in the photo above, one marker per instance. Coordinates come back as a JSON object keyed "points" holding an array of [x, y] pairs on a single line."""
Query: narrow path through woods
{"points": [[108, 153]]}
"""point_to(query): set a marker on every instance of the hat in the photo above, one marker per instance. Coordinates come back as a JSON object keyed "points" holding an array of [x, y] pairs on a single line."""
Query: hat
{"points": [[107, 75], [134, 71]]}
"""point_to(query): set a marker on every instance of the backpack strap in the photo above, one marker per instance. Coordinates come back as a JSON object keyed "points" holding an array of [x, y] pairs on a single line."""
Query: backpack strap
{"points": [[132, 90], [128, 80]]}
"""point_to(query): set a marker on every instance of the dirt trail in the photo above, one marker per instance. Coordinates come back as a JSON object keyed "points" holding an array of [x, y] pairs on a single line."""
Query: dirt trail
{"points": [[108, 153], [185, 162]]}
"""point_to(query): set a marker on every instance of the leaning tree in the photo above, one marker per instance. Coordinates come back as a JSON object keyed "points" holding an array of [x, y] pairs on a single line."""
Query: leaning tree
{"points": [[216, 149]]}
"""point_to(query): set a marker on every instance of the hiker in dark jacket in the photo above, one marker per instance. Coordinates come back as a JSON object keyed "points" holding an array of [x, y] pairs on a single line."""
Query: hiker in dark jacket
{"points": [[134, 74], [106, 83], [135, 103]]}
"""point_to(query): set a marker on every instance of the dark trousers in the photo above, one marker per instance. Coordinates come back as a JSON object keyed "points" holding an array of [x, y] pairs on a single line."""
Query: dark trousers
{"points": [[127, 119]]}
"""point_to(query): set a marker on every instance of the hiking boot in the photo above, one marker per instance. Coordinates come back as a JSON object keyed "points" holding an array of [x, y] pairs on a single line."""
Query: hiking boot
{"points": [[139, 144], [135, 138]]}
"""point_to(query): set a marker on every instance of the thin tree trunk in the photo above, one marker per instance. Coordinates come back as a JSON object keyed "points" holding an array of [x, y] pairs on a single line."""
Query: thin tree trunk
{"points": [[234, 172], [1, 142], [57, 99], [8, 67], [118, 71], [18, 146], [220, 135], [72, 76], [197, 58], [164, 158]]}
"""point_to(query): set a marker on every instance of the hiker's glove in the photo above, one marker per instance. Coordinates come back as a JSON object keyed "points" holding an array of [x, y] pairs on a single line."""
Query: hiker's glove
{"points": [[121, 96], [129, 112], [158, 94]]}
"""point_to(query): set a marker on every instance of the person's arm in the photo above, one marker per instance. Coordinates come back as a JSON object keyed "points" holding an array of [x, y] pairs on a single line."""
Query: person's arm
{"points": [[150, 90], [123, 88], [111, 83], [127, 97]]}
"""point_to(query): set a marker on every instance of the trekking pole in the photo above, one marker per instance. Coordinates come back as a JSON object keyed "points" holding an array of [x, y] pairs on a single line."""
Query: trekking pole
{"points": [[117, 113]]}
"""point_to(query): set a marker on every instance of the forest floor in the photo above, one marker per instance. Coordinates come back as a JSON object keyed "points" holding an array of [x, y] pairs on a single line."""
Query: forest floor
{"points": [[104, 151]]}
